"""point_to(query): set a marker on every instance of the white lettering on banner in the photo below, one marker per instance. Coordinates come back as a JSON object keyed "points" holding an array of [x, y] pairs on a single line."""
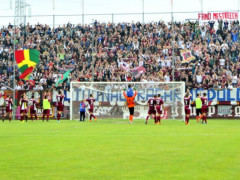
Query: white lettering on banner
{"points": [[211, 111], [237, 111], [142, 96], [224, 110], [213, 95], [102, 110], [218, 95], [217, 16]]}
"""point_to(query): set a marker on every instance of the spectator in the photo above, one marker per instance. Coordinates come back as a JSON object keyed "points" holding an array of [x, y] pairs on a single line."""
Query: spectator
{"points": [[199, 78], [114, 50]]}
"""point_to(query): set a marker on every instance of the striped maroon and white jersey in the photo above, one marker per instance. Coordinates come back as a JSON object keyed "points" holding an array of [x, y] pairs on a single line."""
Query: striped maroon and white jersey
{"points": [[8, 103], [187, 102], [204, 101], [23, 104], [32, 103], [159, 103], [60, 99], [90, 103], [151, 104]]}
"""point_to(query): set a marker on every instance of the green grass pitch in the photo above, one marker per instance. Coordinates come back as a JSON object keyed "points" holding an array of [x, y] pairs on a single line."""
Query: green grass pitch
{"points": [[114, 149]]}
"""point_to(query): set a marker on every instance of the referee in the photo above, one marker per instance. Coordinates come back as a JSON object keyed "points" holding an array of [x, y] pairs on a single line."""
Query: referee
{"points": [[198, 103]]}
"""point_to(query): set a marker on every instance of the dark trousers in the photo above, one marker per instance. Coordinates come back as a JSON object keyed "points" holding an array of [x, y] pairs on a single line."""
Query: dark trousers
{"points": [[82, 116], [131, 110]]}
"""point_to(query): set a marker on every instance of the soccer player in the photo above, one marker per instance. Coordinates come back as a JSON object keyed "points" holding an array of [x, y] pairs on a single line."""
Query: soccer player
{"points": [[130, 92], [130, 104], [198, 103], [159, 108], [82, 108], [60, 106], [151, 109], [33, 109], [23, 107], [91, 101], [8, 112], [204, 108], [187, 99], [46, 107]]}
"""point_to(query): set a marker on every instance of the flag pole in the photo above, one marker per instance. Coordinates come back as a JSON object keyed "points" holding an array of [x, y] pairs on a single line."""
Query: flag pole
{"points": [[173, 60], [173, 55], [14, 69]]}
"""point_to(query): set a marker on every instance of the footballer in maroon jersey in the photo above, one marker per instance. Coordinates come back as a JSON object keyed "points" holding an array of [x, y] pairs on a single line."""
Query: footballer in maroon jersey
{"points": [[60, 106], [33, 108], [91, 101], [9, 103], [204, 108], [151, 109], [23, 107], [187, 99], [159, 108]]}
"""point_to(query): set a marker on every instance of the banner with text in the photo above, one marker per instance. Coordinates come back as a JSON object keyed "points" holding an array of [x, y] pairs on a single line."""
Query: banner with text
{"points": [[218, 16]]}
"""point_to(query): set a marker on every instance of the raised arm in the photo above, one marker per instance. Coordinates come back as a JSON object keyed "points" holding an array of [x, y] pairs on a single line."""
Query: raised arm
{"points": [[135, 94], [188, 91], [124, 93]]}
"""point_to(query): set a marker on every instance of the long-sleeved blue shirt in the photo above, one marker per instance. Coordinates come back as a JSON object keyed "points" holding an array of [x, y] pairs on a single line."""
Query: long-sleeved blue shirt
{"points": [[82, 107]]}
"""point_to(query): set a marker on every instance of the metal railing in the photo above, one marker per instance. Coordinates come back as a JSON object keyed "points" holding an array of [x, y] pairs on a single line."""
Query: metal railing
{"points": [[58, 19]]}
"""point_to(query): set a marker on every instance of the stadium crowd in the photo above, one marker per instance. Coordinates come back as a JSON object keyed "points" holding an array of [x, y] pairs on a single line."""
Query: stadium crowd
{"points": [[126, 52]]}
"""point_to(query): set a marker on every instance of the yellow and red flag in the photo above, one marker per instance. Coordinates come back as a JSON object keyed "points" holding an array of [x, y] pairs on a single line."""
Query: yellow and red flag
{"points": [[26, 60]]}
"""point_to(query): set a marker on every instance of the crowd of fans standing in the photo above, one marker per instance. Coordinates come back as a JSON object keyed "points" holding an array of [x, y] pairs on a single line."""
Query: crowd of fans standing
{"points": [[116, 51]]}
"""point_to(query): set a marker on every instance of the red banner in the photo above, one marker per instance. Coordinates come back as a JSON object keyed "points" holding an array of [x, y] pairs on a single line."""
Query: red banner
{"points": [[217, 16]]}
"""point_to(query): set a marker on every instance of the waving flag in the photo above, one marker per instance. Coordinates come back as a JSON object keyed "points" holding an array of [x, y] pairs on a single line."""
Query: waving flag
{"points": [[63, 77], [26, 60], [186, 56], [137, 71]]}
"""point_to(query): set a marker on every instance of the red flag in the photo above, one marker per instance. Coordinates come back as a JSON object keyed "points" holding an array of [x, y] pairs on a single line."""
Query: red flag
{"points": [[27, 72]]}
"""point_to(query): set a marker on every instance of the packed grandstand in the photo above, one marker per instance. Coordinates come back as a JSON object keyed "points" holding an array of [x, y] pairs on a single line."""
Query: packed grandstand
{"points": [[126, 52]]}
